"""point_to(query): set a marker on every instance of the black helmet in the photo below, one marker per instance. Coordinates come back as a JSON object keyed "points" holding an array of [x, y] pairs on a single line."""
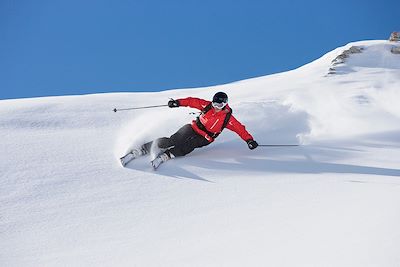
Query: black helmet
{"points": [[220, 97]]}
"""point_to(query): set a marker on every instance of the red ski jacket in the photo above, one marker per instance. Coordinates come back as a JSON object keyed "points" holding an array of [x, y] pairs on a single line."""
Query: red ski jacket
{"points": [[212, 120]]}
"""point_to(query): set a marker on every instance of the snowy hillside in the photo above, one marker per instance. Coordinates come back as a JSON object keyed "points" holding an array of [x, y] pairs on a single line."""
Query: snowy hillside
{"points": [[333, 201]]}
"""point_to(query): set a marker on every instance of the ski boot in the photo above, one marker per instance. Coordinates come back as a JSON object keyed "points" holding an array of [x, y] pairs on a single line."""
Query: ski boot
{"points": [[133, 154], [161, 158]]}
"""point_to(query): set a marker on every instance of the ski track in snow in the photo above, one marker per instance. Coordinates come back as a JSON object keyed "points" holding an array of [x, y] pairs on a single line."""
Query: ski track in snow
{"points": [[333, 201]]}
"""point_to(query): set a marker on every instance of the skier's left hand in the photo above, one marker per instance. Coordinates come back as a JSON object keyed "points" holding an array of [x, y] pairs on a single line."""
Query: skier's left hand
{"points": [[252, 144]]}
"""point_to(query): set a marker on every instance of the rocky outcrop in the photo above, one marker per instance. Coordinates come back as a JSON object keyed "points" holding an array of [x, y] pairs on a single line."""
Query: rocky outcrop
{"points": [[394, 37], [340, 59]]}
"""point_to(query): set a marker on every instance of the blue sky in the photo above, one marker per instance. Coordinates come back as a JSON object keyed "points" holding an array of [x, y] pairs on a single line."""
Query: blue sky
{"points": [[55, 47]]}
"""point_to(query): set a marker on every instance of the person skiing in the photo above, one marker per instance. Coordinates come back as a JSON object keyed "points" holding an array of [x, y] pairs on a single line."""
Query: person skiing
{"points": [[214, 117]]}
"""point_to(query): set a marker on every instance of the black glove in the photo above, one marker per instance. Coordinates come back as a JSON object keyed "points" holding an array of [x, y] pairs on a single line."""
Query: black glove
{"points": [[173, 103], [252, 144]]}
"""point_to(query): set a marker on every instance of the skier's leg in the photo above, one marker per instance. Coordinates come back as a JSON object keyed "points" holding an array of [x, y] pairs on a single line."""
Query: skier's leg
{"points": [[184, 132], [188, 143], [163, 143], [185, 142], [147, 146], [169, 142]]}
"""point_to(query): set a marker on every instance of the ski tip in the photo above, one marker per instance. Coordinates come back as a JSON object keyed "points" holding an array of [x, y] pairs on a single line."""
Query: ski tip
{"points": [[153, 166], [122, 162]]}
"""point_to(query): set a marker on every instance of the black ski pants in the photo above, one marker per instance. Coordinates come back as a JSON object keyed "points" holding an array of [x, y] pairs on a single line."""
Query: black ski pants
{"points": [[184, 141]]}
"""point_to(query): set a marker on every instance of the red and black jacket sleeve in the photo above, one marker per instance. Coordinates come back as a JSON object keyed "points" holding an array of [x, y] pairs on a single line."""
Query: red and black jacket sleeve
{"points": [[240, 129], [193, 102]]}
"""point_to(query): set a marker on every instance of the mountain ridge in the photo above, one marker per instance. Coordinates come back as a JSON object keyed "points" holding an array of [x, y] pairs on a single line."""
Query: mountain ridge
{"points": [[65, 200]]}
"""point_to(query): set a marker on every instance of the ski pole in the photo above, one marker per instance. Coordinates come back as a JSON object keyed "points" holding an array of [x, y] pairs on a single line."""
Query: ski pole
{"points": [[278, 145], [122, 109]]}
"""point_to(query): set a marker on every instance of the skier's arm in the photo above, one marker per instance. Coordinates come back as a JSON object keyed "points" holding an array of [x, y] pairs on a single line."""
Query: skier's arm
{"points": [[193, 102], [240, 129]]}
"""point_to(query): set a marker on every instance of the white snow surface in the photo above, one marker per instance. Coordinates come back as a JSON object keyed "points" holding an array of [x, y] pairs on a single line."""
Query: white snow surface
{"points": [[333, 201]]}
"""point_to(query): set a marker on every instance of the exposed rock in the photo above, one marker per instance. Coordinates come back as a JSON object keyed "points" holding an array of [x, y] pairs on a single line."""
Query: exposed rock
{"points": [[395, 37], [345, 54], [355, 49]]}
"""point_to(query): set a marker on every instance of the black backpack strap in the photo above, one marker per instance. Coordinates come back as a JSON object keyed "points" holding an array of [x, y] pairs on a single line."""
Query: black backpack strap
{"points": [[201, 126], [226, 120], [207, 108]]}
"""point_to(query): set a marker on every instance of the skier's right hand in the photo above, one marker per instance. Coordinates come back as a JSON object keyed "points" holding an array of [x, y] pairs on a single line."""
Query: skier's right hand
{"points": [[173, 103]]}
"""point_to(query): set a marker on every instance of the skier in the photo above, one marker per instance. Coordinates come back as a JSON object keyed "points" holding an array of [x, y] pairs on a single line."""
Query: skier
{"points": [[214, 117]]}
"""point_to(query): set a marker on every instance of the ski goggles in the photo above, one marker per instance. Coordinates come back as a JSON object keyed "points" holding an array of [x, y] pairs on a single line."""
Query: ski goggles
{"points": [[219, 105]]}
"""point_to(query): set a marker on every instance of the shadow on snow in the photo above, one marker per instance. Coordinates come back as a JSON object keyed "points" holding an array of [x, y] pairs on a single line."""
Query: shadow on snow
{"points": [[312, 159]]}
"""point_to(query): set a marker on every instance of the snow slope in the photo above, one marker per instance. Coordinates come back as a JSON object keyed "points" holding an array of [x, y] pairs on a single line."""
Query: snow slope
{"points": [[334, 201]]}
